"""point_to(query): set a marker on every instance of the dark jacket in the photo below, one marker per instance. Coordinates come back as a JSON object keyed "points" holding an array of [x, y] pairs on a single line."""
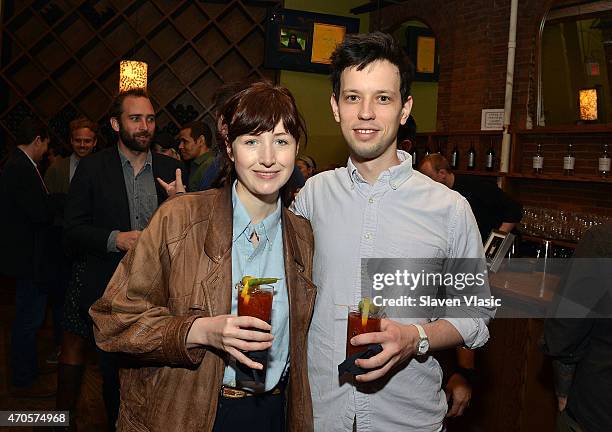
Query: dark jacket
{"points": [[97, 204], [181, 269], [25, 219]]}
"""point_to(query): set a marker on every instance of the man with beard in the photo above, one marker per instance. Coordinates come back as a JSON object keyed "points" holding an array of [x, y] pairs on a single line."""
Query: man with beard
{"points": [[379, 207], [112, 196]]}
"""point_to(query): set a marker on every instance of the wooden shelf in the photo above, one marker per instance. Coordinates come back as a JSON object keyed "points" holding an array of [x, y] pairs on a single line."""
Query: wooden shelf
{"points": [[568, 130], [562, 243], [459, 133], [481, 173], [568, 178]]}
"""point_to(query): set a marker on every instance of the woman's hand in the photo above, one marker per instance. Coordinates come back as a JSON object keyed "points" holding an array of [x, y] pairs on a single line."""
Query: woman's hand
{"points": [[232, 334]]}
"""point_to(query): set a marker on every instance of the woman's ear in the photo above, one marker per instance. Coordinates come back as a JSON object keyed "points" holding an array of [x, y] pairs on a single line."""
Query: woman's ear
{"points": [[228, 149]]}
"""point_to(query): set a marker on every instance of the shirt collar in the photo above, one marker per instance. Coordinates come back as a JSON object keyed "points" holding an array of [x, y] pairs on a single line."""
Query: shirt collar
{"points": [[125, 160], [268, 228], [395, 176], [74, 160], [202, 158], [28, 156]]}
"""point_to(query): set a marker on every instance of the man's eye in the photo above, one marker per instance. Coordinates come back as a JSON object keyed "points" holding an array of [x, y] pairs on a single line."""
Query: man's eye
{"points": [[384, 98], [352, 98]]}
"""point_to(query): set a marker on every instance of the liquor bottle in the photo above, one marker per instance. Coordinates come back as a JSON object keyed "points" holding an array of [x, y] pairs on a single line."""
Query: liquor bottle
{"points": [[440, 148], [604, 162], [538, 160], [490, 159], [414, 155], [454, 159], [427, 150], [569, 160], [471, 157]]}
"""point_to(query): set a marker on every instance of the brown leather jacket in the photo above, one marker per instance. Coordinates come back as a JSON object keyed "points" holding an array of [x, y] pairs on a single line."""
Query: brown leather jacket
{"points": [[180, 270]]}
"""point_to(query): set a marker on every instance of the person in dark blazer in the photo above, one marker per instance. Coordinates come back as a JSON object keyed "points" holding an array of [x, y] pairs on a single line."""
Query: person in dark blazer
{"points": [[26, 217], [112, 197]]}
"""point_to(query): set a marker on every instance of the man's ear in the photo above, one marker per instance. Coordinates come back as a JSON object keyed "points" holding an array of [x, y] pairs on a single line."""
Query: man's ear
{"points": [[201, 141], [334, 106], [406, 108], [114, 124]]}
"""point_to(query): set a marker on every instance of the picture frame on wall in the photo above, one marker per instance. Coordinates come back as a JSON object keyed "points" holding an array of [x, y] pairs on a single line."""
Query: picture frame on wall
{"points": [[422, 48], [304, 41]]}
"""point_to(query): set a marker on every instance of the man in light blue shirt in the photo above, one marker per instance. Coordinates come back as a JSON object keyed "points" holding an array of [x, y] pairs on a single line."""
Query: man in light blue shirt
{"points": [[379, 207]]}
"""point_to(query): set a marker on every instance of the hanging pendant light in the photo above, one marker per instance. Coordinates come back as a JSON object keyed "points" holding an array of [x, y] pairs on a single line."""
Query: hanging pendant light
{"points": [[132, 74]]}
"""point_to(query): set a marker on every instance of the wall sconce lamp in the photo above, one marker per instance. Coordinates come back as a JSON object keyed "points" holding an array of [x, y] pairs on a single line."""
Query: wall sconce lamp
{"points": [[588, 104], [132, 74]]}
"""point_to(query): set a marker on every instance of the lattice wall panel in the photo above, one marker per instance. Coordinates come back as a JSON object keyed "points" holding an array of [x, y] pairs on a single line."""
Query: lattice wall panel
{"points": [[60, 58]]}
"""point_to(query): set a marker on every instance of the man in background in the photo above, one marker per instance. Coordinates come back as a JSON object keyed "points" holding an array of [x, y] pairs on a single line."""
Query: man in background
{"points": [[112, 196], [195, 146], [26, 217], [492, 207]]}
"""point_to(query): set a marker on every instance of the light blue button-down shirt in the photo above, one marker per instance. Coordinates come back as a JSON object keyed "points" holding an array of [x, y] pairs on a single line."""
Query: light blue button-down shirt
{"points": [[404, 214], [265, 260]]}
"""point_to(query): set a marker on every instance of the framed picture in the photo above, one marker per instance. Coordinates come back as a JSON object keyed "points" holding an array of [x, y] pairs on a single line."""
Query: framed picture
{"points": [[496, 248], [422, 48], [303, 41]]}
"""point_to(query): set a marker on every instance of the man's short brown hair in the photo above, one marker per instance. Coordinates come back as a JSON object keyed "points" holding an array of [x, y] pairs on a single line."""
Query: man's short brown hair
{"points": [[117, 107], [83, 123], [437, 161]]}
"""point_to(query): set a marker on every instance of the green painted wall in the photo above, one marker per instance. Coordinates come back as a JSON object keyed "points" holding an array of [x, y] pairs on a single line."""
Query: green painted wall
{"points": [[312, 91]]}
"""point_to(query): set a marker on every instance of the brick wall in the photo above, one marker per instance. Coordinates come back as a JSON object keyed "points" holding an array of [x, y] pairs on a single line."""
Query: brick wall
{"points": [[473, 48]]}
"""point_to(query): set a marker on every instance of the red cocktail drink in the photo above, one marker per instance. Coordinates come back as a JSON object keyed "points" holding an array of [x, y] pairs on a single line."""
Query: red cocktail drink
{"points": [[358, 324], [255, 301]]}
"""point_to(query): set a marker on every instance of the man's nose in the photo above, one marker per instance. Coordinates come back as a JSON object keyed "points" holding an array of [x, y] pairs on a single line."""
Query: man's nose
{"points": [[366, 111]]}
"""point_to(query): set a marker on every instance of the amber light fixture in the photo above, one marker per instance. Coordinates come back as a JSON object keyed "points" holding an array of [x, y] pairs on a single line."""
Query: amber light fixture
{"points": [[588, 104], [132, 74]]}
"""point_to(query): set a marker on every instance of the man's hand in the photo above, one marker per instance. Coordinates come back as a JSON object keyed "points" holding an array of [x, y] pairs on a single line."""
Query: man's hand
{"points": [[175, 187], [460, 392], [126, 240], [232, 334], [399, 343], [562, 403]]}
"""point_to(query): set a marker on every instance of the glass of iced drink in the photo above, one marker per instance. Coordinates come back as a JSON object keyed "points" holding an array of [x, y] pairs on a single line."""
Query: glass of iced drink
{"points": [[361, 320], [255, 300]]}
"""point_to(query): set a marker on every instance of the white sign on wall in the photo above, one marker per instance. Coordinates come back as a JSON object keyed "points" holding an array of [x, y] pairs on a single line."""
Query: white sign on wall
{"points": [[492, 119]]}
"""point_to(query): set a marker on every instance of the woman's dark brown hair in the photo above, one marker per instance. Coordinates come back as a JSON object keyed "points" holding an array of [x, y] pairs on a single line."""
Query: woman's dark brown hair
{"points": [[256, 109]]}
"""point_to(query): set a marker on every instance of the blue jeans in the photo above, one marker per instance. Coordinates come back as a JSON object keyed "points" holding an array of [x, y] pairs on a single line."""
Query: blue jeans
{"points": [[30, 303]]}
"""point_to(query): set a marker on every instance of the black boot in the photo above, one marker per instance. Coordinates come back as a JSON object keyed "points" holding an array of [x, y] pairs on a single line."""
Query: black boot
{"points": [[69, 379]]}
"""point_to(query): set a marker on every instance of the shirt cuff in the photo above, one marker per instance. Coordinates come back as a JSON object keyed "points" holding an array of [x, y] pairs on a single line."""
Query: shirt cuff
{"points": [[474, 331], [111, 243]]}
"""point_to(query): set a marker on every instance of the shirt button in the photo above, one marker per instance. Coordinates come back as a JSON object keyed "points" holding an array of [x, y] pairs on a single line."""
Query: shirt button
{"points": [[393, 186], [371, 200], [367, 236]]}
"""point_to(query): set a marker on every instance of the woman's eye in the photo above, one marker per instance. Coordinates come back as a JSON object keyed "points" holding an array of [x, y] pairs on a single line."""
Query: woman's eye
{"points": [[250, 142], [282, 142]]}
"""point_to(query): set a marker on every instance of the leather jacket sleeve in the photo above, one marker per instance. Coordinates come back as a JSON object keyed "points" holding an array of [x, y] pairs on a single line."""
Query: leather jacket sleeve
{"points": [[133, 315]]}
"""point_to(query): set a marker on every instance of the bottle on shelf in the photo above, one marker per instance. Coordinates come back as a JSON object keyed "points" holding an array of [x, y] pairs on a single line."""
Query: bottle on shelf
{"points": [[538, 160], [604, 162], [427, 149], [414, 155], [454, 158], [569, 161], [490, 159], [440, 150], [471, 157]]}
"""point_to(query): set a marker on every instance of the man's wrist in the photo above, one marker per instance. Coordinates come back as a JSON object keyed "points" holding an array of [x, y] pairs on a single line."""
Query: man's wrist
{"points": [[411, 340]]}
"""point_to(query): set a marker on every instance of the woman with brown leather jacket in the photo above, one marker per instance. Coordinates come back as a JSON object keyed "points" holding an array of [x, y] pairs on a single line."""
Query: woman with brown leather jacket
{"points": [[171, 306]]}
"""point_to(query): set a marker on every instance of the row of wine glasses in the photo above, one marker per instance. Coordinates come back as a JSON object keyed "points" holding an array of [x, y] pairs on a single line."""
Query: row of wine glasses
{"points": [[558, 224]]}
